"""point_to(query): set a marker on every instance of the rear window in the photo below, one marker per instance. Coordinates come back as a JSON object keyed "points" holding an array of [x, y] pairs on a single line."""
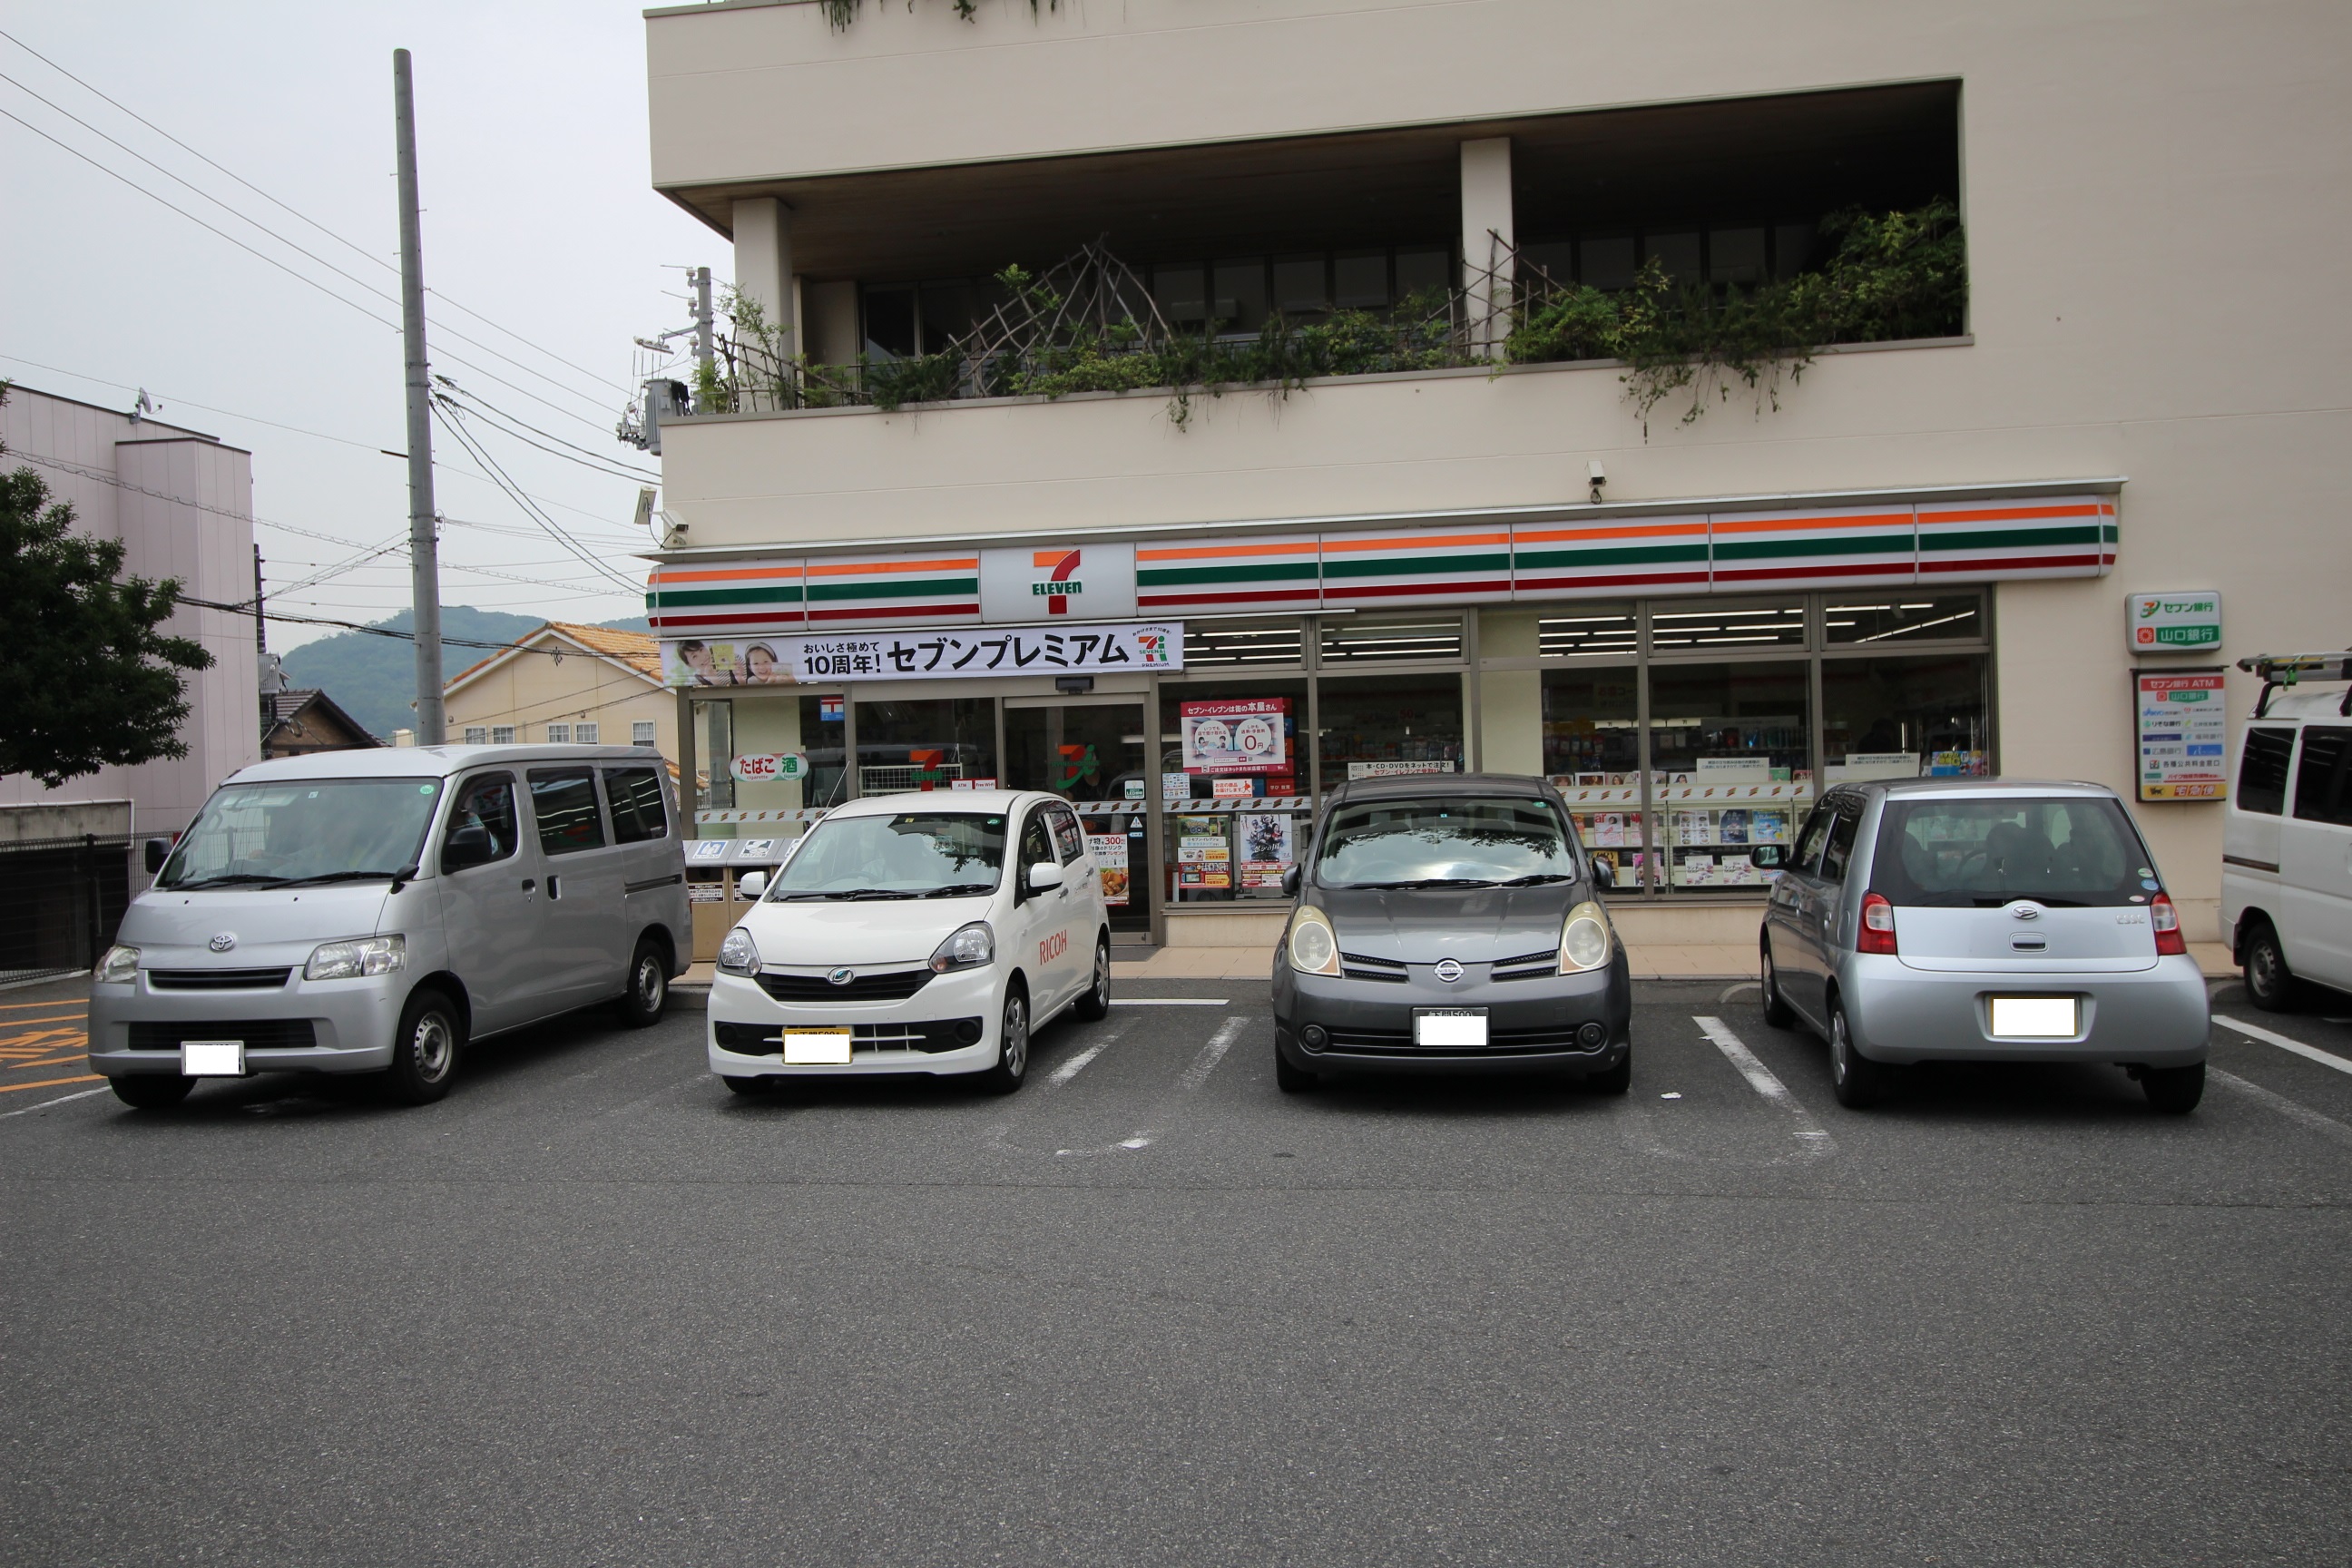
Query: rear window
{"points": [[1985, 851], [636, 797], [2261, 771]]}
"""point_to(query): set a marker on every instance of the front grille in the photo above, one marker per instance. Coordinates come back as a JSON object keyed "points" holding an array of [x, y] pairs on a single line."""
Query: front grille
{"points": [[1358, 966], [890, 987], [258, 1034], [1527, 966], [932, 1037], [1499, 1042], [217, 979], [1372, 1040]]}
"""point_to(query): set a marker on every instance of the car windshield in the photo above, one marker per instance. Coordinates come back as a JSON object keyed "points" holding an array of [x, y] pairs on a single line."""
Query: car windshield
{"points": [[905, 855], [1986, 852], [307, 830], [1444, 842]]}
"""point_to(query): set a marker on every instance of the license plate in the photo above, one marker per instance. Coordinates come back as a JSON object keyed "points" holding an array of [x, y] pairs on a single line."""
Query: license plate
{"points": [[1449, 1028], [2034, 1018], [816, 1047], [212, 1058]]}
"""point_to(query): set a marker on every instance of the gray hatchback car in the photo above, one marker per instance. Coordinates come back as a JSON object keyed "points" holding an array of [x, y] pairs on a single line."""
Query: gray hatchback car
{"points": [[1983, 920]]}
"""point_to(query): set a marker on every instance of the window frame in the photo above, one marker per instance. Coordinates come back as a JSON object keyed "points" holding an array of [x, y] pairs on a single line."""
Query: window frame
{"points": [[566, 770]]}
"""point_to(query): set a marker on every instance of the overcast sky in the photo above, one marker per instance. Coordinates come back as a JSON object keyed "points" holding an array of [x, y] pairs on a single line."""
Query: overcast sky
{"points": [[538, 215]]}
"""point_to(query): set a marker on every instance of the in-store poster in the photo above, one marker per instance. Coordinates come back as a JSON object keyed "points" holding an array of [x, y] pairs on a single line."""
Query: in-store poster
{"points": [[1109, 852], [1205, 855], [1245, 736], [1267, 848]]}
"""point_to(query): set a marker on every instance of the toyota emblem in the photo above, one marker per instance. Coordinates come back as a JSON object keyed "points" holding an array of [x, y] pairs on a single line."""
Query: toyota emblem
{"points": [[1448, 970], [841, 976], [222, 941]]}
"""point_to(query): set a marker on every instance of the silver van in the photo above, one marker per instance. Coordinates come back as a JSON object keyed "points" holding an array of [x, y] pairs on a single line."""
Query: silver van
{"points": [[2286, 849], [1983, 920], [375, 912]]}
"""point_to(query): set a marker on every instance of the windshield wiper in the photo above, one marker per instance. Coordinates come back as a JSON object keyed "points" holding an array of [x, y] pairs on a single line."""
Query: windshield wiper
{"points": [[232, 878], [340, 877], [848, 894], [1426, 882], [962, 890], [1534, 879]]}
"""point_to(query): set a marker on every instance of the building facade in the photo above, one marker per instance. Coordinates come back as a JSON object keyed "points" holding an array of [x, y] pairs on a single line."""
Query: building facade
{"points": [[565, 683], [1924, 547]]}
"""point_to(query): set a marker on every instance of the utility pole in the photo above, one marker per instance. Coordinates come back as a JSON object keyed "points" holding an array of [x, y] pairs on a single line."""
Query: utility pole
{"points": [[261, 644], [424, 563], [703, 347]]}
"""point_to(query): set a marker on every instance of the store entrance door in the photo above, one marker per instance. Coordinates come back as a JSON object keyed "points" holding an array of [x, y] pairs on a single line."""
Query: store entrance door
{"points": [[1090, 751]]}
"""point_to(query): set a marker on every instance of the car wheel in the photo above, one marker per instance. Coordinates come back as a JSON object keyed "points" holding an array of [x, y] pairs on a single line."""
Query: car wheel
{"points": [[1291, 1080], [1094, 1005], [2270, 984], [748, 1086], [1777, 1011], [152, 1090], [424, 1049], [642, 1005], [1613, 1080], [1856, 1080], [1012, 1047], [2173, 1090]]}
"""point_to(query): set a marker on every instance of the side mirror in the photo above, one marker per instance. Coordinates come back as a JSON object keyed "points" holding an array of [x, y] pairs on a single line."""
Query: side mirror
{"points": [[1044, 877], [751, 884], [1604, 874], [1768, 857], [1290, 880], [467, 846], [158, 851]]}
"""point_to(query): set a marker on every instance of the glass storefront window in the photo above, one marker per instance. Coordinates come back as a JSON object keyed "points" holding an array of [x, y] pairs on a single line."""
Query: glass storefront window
{"points": [[1715, 625], [714, 747], [1591, 753], [925, 745], [1390, 723], [1731, 769], [1383, 639], [1590, 631], [1904, 718], [821, 738], [1904, 618], [1229, 744], [1270, 642], [1091, 755]]}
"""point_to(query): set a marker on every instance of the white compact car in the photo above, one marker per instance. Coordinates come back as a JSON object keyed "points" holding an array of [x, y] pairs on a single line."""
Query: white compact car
{"points": [[926, 933]]}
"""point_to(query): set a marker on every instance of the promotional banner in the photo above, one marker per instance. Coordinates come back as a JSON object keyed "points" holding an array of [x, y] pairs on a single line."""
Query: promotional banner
{"points": [[2184, 736], [1152, 648], [1250, 736], [1109, 853], [1267, 848]]}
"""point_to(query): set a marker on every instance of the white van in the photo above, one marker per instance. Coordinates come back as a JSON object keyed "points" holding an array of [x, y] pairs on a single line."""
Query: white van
{"points": [[2287, 859], [374, 911], [914, 933]]}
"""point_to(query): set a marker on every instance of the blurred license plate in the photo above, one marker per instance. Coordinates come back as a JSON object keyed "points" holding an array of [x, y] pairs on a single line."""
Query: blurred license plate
{"points": [[2034, 1018], [212, 1058], [1449, 1026], [816, 1047]]}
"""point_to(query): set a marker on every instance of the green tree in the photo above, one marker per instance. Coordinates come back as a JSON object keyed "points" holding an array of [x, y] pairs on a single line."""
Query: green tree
{"points": [[86, 677]]}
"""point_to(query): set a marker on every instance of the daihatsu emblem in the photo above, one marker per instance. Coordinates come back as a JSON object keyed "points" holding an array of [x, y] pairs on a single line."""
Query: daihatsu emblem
{"points": [[1448, 970], [841, 976], [2025, 911], [222, 941]]}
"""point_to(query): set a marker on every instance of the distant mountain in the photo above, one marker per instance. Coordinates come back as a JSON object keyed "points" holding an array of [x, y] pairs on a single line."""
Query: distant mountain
{"points": [[374, 678]]}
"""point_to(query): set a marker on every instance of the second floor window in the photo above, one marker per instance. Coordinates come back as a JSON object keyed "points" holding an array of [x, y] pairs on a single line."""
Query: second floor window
{"points": [[585, 733], [641, 732], [501, 734], [558, 734], [478, 734]]}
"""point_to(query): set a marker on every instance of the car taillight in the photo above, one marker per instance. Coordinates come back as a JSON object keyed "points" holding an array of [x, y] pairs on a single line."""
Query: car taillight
{"points": [[1877, 931], [2167, 920]]}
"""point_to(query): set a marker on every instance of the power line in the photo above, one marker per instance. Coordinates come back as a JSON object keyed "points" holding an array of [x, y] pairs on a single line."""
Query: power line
{"points": [[454, 421], [501, 420], [350, 245]]}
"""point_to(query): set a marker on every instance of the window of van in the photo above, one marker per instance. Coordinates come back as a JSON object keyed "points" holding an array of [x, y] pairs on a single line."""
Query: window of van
{"points": [[636, 797], [2262, 770], [2320, 793], [564, 802], [303, 830]]}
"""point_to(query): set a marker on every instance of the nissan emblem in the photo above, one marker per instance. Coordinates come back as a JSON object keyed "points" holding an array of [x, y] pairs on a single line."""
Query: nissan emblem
{"points": [[1448, 970]]}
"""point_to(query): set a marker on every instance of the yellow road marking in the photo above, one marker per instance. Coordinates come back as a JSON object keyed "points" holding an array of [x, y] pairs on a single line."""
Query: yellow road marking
{"points": [[52, 1062], [51, 1082], [20, 1006]]}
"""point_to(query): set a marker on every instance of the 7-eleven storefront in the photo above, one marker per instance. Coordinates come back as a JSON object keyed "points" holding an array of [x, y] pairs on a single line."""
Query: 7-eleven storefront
{"points": [[1689, 677]]}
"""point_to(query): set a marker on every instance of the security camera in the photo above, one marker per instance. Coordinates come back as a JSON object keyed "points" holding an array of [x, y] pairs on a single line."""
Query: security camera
{"points": [[1598, 475]]}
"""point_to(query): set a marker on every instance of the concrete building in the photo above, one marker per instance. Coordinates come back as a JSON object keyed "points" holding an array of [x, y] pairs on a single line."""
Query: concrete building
{"points": [[182, 504], [1917, 557], [565, 683]]}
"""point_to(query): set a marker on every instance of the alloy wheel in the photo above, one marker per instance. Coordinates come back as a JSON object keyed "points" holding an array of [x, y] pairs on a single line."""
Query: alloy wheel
{"points": [[1013, 1048]]}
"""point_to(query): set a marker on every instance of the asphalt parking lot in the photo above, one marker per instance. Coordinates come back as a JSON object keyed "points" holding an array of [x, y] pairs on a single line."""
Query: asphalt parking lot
{"points": [[593, 1309]]}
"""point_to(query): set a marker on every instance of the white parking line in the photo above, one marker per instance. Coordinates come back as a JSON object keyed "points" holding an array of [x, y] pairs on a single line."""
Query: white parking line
{"points": [[1168, 1002], [1071, 1069], [2325, 1126], [60, 1100], [2324, 1058], [1212, 1053], [1813, 1142]]}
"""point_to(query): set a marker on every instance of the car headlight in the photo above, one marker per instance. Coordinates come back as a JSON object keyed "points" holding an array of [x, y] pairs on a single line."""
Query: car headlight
{"points": [[1314, 946], [360, 957], [738, 954], [1585, 939], [118, 968], [969, 948]]}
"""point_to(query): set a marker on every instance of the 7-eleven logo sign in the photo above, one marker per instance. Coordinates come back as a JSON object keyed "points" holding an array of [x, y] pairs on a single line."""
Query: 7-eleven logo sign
{"points": [[1059, 583]]}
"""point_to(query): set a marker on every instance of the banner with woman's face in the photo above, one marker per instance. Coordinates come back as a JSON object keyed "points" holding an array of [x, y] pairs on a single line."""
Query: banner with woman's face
{"points": [[731, 661]]}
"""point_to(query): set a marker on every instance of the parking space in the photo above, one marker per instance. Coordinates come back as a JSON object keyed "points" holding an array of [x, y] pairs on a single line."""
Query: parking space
{"points": [[592, 1307]]}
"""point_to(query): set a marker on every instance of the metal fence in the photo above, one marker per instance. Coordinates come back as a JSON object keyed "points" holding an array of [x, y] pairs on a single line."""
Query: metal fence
{"points": [[61, 901]]}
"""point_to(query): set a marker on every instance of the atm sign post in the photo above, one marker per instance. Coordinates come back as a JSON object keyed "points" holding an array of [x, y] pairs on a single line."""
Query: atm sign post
{"points": [[2173, 623], [2183, 725]]}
